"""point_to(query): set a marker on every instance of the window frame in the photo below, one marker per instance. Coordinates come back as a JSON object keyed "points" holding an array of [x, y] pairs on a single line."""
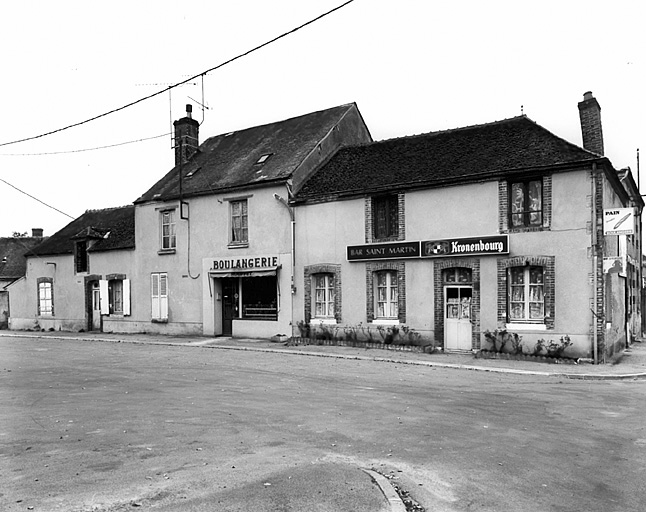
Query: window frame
{"points": [[239, 237], [391, 285], [527, 212], [329, 295], [526, 300], [44, 284], [81, 257], [386, 206], [167, 242]]}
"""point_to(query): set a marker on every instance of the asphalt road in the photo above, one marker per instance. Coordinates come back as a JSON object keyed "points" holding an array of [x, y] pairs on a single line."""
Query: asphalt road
{"points": [[95, 426]]}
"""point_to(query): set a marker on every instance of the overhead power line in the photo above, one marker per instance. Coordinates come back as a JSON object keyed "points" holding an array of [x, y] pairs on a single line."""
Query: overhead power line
{"points": [[285, 34], [35, 198]]}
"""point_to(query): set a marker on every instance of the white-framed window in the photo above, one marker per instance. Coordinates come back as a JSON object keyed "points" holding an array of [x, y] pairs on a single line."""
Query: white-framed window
{"points": [[526, 292], [45, 297], [324, 295], [239, 222], [115, 295], [386, 296], [526, 203], [159, 295], [168, 237]]}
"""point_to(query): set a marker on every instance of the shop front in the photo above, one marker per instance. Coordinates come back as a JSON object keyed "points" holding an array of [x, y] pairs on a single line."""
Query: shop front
{"points": [[244, 297]]}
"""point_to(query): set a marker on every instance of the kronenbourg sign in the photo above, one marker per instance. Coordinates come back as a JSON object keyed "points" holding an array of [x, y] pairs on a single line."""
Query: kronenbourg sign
{"points": [[618, 221]]}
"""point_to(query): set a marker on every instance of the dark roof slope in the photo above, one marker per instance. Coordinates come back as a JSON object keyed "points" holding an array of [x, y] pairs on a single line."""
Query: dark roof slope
{"points": [[13, 264], [110, 228], [230, 160], [441, 158]]}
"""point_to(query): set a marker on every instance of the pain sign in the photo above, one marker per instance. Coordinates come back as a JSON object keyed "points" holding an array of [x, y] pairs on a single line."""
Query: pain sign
{"points": [[619, 221]]}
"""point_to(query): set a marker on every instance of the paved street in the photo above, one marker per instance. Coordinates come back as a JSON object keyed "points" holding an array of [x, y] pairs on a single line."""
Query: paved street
{"points": [[114, 426]]}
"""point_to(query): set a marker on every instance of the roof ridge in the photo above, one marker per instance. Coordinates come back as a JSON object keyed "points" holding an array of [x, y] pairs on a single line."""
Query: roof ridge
{"points": [[110, 208]]}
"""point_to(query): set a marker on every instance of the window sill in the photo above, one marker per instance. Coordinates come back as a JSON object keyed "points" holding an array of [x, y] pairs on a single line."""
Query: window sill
{"points": [[323, 321], [386, 321], [525, 327], [238, 245], [528, 229], [166, 251]]}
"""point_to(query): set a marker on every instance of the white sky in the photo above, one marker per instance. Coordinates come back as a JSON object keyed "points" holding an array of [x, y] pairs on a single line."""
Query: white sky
{"points": [[412, 66]]}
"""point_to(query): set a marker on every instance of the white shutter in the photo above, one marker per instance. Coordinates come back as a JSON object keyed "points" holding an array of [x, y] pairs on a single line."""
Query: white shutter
{"points": [[126, 296], [155, 295], [163, 296], [104, 297]]}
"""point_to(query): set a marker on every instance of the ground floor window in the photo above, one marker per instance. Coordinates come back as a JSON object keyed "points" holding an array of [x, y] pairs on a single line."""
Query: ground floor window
{"points": [[386, 298], [526, 294], [45, 296], [259, 298], [323, 295]]}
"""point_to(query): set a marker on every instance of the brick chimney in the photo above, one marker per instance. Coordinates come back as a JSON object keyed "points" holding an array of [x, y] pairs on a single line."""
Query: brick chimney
{"points": [[186, 137], [37, 232], [590, 115]]}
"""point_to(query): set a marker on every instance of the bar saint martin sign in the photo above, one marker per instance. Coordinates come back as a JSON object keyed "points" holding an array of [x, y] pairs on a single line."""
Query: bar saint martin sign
{"points": [[395, 250]]}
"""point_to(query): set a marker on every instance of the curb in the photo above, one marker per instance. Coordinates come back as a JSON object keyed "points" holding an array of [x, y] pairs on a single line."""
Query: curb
{"points": [[395, 502], [203, 344]]}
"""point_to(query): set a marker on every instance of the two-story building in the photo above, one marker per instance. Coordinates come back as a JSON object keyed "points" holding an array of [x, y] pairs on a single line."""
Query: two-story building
{"points": [[450, 234]]}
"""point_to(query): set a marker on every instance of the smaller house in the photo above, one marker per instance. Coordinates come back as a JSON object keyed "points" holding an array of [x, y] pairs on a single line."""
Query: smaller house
{"points": [[79, 277], [13, 266]]}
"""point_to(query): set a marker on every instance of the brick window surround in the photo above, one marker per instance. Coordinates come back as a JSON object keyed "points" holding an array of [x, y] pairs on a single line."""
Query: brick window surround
{"points": [[503, 207], [445, 263], [371, 269], [547, 262], [322, 268], [401, 235]]}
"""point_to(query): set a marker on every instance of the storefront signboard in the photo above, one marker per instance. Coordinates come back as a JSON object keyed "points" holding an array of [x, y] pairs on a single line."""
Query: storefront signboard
{"points": [[245, 263], [396, 250], [480, 246]]}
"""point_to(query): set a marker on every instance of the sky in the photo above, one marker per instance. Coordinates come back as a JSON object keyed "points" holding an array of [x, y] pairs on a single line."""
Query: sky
{"points": [[411, 66]]}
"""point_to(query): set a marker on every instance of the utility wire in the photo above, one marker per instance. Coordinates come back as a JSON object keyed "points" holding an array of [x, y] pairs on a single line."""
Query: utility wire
{"points": [[35, 198], [285, 34], [86, 149]]}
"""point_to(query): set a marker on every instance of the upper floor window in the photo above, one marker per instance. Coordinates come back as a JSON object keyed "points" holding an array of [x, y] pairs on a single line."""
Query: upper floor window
{"points": [[45, 297], [239, 222], [324, 295], [526, 291], [385, 217], [81, 256], [526, 203], [386, 298], [168, 237]]}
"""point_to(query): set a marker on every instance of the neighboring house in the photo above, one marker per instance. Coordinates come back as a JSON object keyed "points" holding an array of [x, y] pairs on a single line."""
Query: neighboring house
{"points": [[79, 277], [214, 236], [13, 266], [454, 233]]}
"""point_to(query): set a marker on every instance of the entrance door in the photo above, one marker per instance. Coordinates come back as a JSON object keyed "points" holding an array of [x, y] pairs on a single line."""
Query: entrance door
{"points": [[230, 301], [457, 317], [96, 306]]}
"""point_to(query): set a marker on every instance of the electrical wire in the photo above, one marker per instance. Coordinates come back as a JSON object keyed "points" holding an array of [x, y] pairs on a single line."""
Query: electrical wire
{"points": [[140, 100], [35, 198], [86, 149]]}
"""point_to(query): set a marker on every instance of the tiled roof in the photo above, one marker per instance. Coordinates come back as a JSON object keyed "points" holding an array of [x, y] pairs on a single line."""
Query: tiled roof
{"points": [[13, 264], [115, 226], [230, 160], [441, 158]]}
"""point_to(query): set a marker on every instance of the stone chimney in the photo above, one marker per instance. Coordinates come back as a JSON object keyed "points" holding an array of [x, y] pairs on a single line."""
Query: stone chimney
{"points": [[186, 137], [590, 115], [37, 232]]}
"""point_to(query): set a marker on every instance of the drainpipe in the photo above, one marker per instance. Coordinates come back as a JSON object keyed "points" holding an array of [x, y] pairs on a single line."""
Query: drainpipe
{"points": [[290, 209], [595, 340]]}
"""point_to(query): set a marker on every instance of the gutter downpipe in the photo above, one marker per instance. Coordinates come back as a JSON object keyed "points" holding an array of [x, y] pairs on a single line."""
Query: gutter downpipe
{"points": [[595, 340], [290, 209]]}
